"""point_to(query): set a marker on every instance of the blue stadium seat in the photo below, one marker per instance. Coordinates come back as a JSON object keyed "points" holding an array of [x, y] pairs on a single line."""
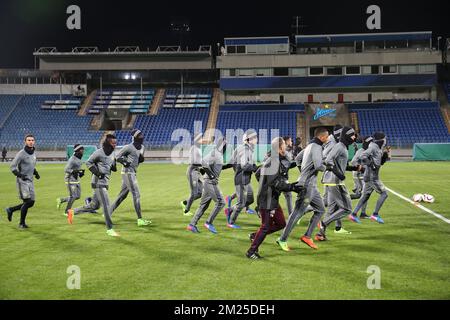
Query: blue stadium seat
{"points": [[53, 129], [405, 123]]}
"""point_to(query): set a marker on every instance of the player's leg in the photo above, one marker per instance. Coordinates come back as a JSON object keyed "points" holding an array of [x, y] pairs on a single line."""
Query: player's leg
{"points": [[250, 198], [135, 192], [237, 208], [367, 191], [124, 190], [381, 190], [302, 202], [75, 194], [195, 186], [343, 205], [27, 189], [319, 210], [103, 198], [204, 204], [260, 235], [217, 197], [288, 197]]}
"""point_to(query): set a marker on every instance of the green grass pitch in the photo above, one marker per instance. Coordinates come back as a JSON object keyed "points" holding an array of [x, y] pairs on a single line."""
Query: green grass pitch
{"points": [[164, 261]]}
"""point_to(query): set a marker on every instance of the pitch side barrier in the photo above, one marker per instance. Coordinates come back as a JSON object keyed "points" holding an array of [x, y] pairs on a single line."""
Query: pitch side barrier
{"points": [[431, 152]]}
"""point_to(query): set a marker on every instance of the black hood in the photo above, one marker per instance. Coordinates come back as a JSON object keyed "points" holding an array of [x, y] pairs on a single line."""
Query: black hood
{"points": [[380, 139], [337, 130], [107, 148], [317, 140], [347, 133], [366, 142], [29, 150]]}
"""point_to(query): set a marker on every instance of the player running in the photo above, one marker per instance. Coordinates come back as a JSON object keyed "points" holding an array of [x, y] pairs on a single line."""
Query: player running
{"points": [[310, 161], [24, 168], [100, 163], [73, 173], [212, 166], [339, 202], [373, 158], [131, 156], [244, 166], [193, 175]]}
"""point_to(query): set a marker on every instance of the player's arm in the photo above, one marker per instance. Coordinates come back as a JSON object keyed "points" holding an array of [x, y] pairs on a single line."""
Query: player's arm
{"points": [[122, 156], [15, 165], [91, 164], [330, 163]]}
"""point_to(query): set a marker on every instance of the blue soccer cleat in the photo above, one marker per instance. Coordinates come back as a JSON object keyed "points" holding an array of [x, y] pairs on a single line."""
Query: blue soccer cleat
{"points": [[233, 226], [210, 227], [192, 228], [376, 218], [251, 211], [353, 218]]}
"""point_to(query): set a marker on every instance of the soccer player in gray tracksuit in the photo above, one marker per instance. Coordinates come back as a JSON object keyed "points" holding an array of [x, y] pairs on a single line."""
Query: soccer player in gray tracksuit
{"points": [[244, 167], [339, 202], [24, 168], [332, 141], [360, 175], [310, 162], [193, 175], [212, 166], [373, 158], [100, 163], [130, 157], [72, 172]]}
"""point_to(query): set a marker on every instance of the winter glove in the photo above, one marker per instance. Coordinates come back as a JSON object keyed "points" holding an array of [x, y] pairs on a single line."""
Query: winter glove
{"points": [[36, 174]]}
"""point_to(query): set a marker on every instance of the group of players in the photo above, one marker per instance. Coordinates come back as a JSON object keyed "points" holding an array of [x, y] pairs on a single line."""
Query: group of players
{"points": [[101, 164], [325, 153]]}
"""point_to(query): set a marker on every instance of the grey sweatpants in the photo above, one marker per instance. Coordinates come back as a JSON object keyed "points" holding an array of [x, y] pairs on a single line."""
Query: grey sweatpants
{"points": [[245, 198], [210, 192], [288, 196], [100, 199], [74, 194], [311, 197], [358, 181], [196, 186], [369, 187], [339, 204], [129, 184]]}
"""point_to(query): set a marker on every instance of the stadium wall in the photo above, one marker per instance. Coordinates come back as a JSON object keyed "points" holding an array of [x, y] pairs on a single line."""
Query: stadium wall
{"points": [[318, 60], [40, 88], [289, 97]]}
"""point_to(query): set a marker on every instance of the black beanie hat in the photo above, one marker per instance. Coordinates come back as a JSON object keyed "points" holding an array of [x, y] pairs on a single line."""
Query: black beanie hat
{"points": [[379, 138], [337, 130], [346, 134], [366, 141]]}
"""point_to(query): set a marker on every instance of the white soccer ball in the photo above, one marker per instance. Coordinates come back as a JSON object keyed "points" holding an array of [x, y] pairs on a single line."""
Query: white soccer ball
{"points": [[418, 197], [428, 198]]}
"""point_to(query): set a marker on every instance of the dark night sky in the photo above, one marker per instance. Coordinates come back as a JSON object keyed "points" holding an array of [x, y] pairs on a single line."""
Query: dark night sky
{"points": [[29, 24]]}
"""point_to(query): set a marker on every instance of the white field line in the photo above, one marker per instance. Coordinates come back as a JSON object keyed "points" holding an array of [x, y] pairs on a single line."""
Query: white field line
{"points": [[437, 215]]}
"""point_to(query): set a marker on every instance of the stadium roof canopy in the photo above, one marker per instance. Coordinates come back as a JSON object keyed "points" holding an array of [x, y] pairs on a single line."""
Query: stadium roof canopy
{"points": [[125, 58], [337, 38]]}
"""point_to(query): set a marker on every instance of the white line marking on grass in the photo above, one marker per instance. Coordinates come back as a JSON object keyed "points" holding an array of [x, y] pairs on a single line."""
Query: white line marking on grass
{"points": [[437, 215]]}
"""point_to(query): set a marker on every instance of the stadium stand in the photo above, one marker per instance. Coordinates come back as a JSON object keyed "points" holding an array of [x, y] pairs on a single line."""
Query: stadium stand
{"points": [[405, 123], [190, 98], [136, 101], [7, 103], [53, 129], [158, 128], [259, 117]]}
